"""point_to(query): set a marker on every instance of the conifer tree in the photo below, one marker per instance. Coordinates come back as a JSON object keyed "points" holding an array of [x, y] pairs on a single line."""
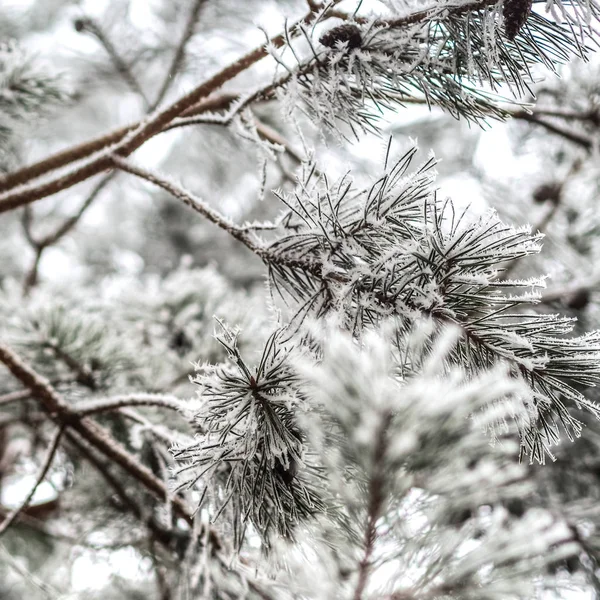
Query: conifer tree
{"points": [[401, 412]]}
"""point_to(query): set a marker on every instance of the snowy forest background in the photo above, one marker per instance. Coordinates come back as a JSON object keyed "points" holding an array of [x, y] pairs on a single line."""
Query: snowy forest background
{"points": [[383, 395]]}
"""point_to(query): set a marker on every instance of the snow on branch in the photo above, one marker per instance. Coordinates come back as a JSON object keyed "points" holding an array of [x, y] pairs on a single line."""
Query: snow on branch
{"points": [[456, 57], [395, 250]]}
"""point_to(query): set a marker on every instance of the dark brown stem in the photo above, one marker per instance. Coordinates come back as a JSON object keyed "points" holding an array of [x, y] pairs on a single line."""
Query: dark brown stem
{"points": [[376, 500]]}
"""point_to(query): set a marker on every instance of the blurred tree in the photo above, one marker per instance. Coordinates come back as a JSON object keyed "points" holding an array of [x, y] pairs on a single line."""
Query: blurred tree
{"points": [[374, 423]]}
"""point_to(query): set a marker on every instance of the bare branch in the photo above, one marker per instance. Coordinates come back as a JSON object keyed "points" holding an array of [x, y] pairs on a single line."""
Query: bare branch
{"points": [[91, 407], [10, 519], [239, 233], [14, 397], [121, 66], [179, 54], [568, 134], [96, 435]]}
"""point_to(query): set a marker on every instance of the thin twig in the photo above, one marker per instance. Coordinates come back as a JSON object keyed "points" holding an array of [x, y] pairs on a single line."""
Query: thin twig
{"points": [[192, 201], [179, 54], [69, 223], [568, 134], [9, 520], [14, 396], [92, 407], [31, 277], [147, 129], [121, 66]]}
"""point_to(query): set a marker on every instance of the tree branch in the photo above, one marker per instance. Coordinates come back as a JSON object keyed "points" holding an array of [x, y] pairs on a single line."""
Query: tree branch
{"points": [[96, 435], [91, 407], [86, 149], [10, 397], [239, 233], [568, 134], [133, 138], [179, 54], [10, 519]]}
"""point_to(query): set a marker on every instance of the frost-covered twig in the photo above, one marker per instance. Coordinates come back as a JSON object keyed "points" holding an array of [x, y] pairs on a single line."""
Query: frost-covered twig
{"points": [[190, 200], [100, 405]]}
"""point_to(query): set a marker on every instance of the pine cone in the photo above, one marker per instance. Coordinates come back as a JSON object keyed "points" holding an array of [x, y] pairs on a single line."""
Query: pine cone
{"points": [[548, 191], [515, 14], [342, 33]]}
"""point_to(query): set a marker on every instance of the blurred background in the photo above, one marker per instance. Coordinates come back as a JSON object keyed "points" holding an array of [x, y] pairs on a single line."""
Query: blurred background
{"points": [[129, 279]]}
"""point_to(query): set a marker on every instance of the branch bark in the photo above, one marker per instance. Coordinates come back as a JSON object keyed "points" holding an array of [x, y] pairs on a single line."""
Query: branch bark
{"points": [[96, 435], [125, 143], [12, 517]]}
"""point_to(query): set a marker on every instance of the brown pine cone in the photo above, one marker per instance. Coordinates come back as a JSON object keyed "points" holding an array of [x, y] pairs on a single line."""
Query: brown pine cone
{"points": [[515, 14], [342, 33]]}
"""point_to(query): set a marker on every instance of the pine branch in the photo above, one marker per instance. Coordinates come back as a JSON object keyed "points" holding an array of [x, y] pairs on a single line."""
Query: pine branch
{"points": [[394, 250], [132, 140], [96, 435]]}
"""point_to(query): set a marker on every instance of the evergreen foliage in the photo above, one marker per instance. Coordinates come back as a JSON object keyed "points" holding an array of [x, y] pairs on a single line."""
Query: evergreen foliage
{"points": [[375, 422]]}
